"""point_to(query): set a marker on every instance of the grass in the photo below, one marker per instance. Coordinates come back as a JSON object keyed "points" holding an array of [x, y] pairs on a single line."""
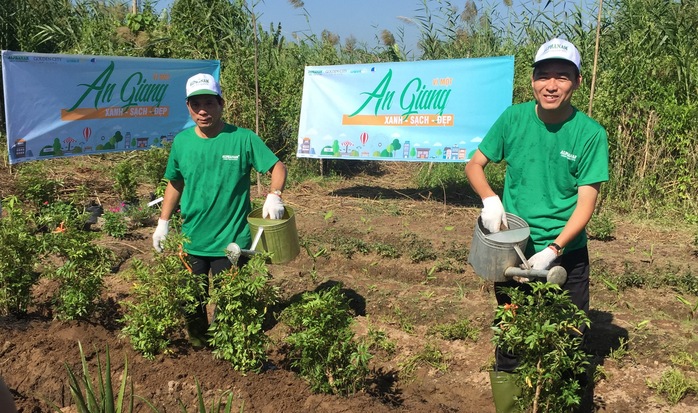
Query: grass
{"points": [[429, 356]]}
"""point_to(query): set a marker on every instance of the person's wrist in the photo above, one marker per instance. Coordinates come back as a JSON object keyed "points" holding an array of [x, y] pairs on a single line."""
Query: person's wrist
{"points": [[557, 249]]}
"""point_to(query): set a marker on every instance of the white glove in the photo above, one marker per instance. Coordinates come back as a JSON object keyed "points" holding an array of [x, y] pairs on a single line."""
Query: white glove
{"points": [[273, 207], [542, 260], [493, 215], [160, 234]]}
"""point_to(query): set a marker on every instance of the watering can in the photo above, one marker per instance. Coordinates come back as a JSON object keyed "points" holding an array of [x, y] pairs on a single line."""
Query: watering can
{"points": [[276, 236], [499, 256]]}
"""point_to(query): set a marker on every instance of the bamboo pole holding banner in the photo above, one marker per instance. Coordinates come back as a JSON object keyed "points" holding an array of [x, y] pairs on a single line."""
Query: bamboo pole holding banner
{"points": [[596, 58]]}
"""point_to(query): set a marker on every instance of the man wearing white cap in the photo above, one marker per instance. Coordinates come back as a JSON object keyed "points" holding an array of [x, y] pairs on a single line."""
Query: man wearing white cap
{"points": [[557, 158], [209, 177]]}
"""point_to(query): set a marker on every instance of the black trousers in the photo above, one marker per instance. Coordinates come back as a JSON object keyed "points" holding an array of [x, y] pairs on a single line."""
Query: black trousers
{"points": [[201, 267], [576, 263]]}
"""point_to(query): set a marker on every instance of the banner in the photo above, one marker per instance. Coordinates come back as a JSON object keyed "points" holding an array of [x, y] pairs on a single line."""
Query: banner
{"points": [[70, 105], [432, 110]]}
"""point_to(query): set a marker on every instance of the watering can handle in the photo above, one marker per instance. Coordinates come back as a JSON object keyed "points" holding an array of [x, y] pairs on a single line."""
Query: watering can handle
{"points": [[555, 275], [521, 255], [257, 238]]}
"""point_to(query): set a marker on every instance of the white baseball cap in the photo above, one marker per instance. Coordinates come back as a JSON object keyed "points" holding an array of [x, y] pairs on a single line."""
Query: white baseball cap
{"points": [[559, 49], [202, 84]]}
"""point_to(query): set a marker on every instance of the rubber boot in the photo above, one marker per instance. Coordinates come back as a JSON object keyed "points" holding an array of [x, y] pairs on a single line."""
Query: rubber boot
{"points": [[504, 391], [197, 329]]}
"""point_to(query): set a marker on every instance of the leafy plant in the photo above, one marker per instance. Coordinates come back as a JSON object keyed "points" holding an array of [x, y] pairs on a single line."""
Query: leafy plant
{"points": [[58, 214], [17, 274], [542, 329], [322, 345], [125, 182], [35, 185], [115, 224], [162, 293], [80, 266], [242, 297], [139, 214]]}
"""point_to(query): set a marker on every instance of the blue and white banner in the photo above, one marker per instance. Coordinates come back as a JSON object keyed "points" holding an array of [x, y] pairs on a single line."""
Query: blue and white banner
{"points": [[69, 105], [432, 110]]}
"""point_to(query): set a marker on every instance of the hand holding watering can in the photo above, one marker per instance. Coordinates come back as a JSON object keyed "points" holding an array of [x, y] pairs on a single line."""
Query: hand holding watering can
{"points": [[498, 255]]}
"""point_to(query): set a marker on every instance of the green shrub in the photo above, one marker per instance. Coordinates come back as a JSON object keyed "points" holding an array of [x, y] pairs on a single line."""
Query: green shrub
{"points": [[35, 185], [80, 266], [162, 294], [125, 182], [322, 346], [541, 328], [17, 275], [242, 297], [115, 224]]}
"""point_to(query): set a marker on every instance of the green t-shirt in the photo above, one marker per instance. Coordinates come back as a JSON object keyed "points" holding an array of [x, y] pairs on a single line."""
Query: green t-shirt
{"points": [[546, 164], [216, 197]]}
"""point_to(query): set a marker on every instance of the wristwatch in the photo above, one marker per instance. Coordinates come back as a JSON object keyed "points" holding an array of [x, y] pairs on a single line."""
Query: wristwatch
{"points": [[277, 192], [556, 248]]}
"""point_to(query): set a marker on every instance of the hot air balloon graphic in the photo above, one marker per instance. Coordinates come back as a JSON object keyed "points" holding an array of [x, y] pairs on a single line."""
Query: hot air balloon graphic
{"points": [[86, 133], [364, 138]]}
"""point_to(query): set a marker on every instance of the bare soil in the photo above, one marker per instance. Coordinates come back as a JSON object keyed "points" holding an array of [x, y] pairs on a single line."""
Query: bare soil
{"points": [[402, 296]]}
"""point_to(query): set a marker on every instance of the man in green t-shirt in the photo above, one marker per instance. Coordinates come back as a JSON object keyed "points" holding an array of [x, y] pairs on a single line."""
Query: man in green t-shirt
{"points": [[557, 158], [208, 173]]}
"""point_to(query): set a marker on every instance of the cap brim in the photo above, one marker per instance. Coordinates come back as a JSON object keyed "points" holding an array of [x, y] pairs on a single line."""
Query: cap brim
{"points": [[203, 92], [561, 59]]}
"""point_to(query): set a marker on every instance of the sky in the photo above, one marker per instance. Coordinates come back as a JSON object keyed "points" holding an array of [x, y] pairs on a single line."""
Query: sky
{"points": [[364, 19]]}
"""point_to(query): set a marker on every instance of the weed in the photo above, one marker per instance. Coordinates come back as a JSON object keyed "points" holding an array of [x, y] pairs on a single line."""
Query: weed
{"points": [[674, 385], [458, 330], [692, 307], [621, 352], [405, 323], [242, 297], [685, 359], [600, 373], [601, 227], [322, 346], [422, 250], [430, 356], [378, 339], [386, 250], [224, 402]]}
